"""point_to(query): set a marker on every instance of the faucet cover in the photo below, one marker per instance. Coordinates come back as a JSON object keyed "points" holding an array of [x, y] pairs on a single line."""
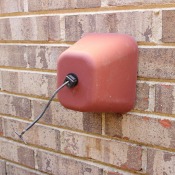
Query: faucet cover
{"points": [[106, 67]]}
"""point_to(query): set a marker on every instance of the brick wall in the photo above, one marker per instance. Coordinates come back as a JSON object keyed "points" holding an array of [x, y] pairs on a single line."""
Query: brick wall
{"points": [[33, 34]]}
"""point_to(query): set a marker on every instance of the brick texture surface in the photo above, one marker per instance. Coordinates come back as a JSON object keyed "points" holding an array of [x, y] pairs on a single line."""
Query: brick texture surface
{"points": [[138, 2], [57, 164], [148, 27], [31, 83], [57, 115], [13, 169], [17, 153], [38, 57], [2, 168], [164, 98], [146, 129], [142, 100], [33, 34], [9, 6], [36, 5], [168, 29], [16, 106], [119, 154], [152, 63], [160, 162], [1, 129], [39, 135], [30, 28]]}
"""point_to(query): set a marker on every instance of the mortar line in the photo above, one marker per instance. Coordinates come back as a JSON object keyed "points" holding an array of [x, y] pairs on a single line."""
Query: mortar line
{"points": [[88, 161], [107, 9], [93, 135]]}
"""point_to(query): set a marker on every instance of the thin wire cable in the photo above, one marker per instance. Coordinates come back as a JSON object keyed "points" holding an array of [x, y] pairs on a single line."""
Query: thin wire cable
{"points": [[42, 113]]}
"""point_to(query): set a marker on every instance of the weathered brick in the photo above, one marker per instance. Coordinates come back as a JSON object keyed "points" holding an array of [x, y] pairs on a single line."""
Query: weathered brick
{"points": [[164, 98], [92, 122], [156, 63], [168, 33], [54, 28], [88, 3], [117, 173], [153, 130], [38, 135], [1, 129], [142, 100], [113, 152], [27, 56], [160, 162], [5, 31], [143, 25], [2, 167], [59, 116], [31, 83], [10, 6], [113, 124], [30, 28], [13, 169], [35, 5], [137, 2], [76, 26], [14, 105], [17, 152], [58, 164]]}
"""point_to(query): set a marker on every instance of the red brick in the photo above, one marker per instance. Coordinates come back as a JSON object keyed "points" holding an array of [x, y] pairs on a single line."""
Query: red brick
{"points": [[30, 28], [152, 130], [168, 17], [2, 167], [88, 3], [13, 169], [59, 4], [164, 98], [58, 164], [113, 152], [160, 162], [116, 173], [142, 100], [147, 23], [38, 135], [1, 129], [39, 57], [137, 2], [58, 115], [76, 26], [54, 28], [14, 105], [152, 63], [11, 6], [5, 32], [31, 83], [113, 124], [92, 122], [17, 153]]}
